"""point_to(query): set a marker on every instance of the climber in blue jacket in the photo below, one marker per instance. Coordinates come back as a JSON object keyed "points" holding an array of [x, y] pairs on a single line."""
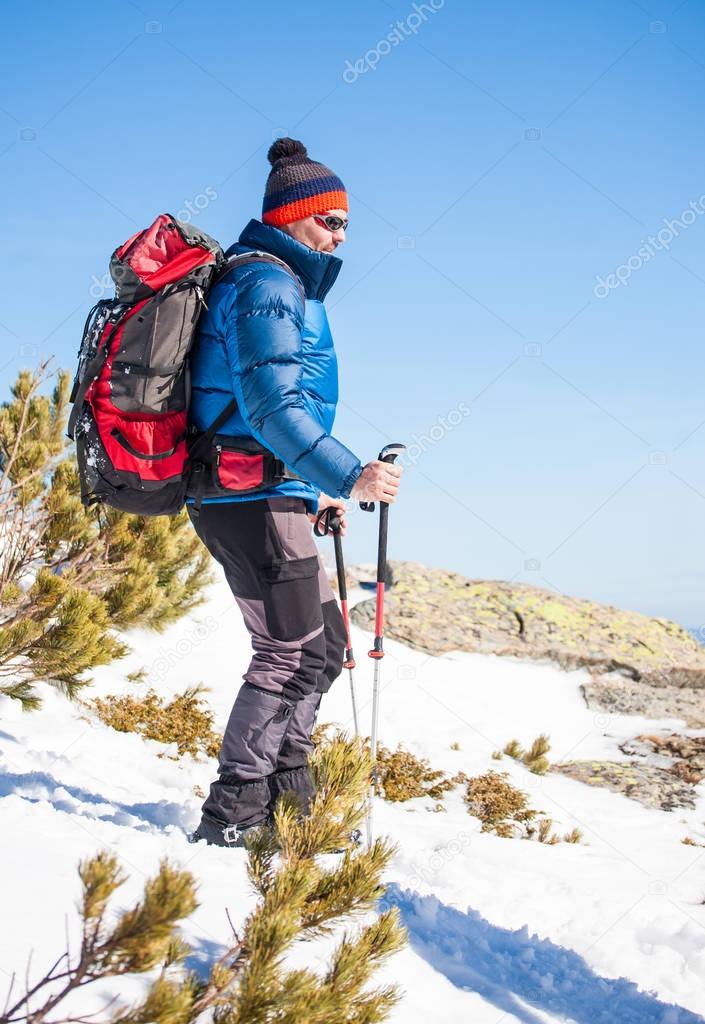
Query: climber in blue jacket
{"points": [[264, 342]]}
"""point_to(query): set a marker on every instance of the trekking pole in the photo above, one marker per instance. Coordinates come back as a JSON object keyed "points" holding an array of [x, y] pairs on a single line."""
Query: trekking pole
{"points": [[388, 454], [328, 520]]}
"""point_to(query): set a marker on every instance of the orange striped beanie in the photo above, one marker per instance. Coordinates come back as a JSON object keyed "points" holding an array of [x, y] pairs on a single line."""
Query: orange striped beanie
{"points": [[298, 186]]}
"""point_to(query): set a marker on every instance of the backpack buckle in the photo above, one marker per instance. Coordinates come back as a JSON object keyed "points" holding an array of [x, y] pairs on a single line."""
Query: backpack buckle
{"points": [[282, 471], [231, 834]]}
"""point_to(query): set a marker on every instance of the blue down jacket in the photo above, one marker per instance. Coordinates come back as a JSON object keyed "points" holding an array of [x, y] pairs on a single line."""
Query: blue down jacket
{"points": [[260, 342]]}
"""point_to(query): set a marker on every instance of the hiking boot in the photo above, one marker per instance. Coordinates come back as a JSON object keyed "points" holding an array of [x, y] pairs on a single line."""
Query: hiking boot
{"points": [[220, 833]]}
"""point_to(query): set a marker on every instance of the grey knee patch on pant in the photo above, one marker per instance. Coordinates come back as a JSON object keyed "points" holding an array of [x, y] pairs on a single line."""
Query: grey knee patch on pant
{"points": [[291, 667], [256, 728]]}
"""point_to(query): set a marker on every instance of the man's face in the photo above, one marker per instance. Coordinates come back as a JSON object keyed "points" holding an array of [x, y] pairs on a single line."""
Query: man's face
{"points": [[315, 235]]}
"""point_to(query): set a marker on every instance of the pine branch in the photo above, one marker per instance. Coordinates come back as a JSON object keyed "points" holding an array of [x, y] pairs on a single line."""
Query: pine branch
{"points": [[22, 429], [249, 983]]}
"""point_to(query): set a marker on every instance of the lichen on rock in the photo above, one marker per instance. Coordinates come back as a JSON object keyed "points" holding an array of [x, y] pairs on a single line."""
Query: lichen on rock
{"points": [[435, 610]]}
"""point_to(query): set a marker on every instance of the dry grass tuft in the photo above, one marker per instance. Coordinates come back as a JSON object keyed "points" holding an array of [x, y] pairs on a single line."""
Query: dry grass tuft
{"points": [[185, 720]]}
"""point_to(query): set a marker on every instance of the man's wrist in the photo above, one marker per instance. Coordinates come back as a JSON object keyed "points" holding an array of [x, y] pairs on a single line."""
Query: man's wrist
{"points": [[350, 481]]}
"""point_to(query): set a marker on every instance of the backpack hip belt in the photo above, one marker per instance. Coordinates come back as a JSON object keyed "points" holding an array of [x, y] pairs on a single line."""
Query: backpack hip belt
{"points": [[234, 466]]}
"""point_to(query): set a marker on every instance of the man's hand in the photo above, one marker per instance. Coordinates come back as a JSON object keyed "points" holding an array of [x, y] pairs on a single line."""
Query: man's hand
{"points": [[379, 481], [325, 501]]}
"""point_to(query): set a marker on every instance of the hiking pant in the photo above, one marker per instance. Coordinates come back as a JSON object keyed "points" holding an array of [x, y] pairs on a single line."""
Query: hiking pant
{"points": [[272, 565]]}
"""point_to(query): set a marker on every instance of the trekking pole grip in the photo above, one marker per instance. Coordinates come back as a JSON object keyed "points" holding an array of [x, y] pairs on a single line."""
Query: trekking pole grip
{"points": [[388, 454]]}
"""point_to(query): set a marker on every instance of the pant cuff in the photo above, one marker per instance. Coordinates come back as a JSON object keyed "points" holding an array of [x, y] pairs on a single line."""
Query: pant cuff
{"points": [[238, 803]]}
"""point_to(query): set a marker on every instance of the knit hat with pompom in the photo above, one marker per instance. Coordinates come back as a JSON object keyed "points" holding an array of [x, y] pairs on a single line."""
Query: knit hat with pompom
{"points": [[298, 186]]}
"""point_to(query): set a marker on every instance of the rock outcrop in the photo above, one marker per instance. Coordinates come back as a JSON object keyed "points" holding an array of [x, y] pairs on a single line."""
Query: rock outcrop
{"points": [[435, 610], [638, 665]]}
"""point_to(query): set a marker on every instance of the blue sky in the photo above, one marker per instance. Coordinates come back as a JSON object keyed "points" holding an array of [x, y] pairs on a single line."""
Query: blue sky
{"points": [[502, 159]]}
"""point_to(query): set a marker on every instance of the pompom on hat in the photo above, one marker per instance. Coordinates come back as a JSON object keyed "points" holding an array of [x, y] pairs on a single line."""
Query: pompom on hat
{"points": [[298, 186]]}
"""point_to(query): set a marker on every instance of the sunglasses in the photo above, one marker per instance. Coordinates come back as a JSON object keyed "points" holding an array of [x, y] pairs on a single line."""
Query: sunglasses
{"points": [[331, 222]]}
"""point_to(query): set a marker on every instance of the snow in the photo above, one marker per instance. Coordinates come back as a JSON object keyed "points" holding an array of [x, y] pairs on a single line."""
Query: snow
{"points": [[500, 930]]}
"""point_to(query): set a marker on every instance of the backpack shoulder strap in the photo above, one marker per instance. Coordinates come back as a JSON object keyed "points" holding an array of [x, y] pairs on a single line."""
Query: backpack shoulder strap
{"points": [[204, 439], [254, 255], [258, 256]]}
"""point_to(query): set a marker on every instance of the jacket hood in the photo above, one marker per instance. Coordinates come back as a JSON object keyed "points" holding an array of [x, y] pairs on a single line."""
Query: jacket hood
{"points": [[317, 270]]}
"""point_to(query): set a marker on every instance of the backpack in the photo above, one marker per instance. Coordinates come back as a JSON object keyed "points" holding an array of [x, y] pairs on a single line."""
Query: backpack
{"points": [[134, 447]]}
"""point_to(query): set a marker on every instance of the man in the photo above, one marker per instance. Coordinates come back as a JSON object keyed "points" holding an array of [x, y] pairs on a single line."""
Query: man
{"points": [[264, 340]]}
